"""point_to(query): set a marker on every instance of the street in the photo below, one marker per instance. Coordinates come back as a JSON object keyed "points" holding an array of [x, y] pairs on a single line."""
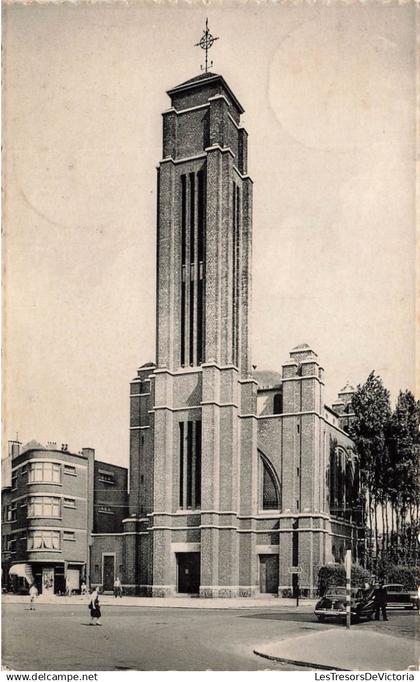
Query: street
{"points": [[56, 637]]}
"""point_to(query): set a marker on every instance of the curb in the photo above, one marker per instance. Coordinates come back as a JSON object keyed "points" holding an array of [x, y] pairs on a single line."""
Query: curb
{"points": [[167, 606], [303, 664]]}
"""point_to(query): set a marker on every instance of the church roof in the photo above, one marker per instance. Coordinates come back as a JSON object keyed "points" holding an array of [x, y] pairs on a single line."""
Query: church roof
{"points": [[348, 388], [267, 378], [302, 346], [196, 79], [207, 77]]}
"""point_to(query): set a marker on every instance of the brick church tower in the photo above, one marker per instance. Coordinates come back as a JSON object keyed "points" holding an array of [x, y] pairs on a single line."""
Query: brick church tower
{"points": [[189, 430], [228, 471]]}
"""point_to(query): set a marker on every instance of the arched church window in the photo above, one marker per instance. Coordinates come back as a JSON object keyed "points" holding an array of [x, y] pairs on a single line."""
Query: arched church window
{"points": [[269, 487]]}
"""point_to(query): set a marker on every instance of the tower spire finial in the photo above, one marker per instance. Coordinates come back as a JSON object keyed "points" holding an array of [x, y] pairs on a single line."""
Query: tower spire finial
{"points": [[205, 42]]}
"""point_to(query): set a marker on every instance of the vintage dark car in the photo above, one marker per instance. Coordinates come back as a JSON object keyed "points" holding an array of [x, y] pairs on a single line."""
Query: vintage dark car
{"points": [[398, 596], [333, 604]]}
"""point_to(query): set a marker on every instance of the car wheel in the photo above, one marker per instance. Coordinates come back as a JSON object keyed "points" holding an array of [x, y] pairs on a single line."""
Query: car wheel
{"points": [[321, 618]]}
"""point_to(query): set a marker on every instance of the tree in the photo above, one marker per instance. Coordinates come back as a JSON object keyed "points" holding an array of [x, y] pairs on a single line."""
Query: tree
{"points": [[369, 431], [404, 474]]}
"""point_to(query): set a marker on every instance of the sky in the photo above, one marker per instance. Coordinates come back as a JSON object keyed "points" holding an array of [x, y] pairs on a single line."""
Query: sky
{"points": [[329, 99]]}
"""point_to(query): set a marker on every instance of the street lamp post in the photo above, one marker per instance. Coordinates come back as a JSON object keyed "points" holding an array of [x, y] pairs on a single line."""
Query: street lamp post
{"points": [[348, 589]]}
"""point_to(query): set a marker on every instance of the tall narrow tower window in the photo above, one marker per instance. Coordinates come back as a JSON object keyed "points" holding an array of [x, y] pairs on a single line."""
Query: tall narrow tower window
{"points": [[183, 263], [192, 264], [181, 464], [201, 217], [183, 220], [190, 464], [192, 217], [235, 271]]}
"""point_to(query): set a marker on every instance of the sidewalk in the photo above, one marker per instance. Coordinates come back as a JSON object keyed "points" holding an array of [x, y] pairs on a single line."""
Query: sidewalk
{"points": [[337, 649], [170, 602]]}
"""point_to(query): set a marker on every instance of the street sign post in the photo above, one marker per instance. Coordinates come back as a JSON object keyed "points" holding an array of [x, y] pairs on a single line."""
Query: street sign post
{"points": [[296, 570], [348, 588]]}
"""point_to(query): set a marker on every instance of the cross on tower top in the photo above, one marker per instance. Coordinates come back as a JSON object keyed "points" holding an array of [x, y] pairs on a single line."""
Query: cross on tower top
{"points": [[205, 42]]}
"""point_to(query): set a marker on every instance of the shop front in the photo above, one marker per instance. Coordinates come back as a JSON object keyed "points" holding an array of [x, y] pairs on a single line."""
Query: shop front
{"points": [[58, 578]]}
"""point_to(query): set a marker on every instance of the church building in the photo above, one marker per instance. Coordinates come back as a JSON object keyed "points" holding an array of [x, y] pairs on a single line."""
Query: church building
{"points": [[241, 482]]}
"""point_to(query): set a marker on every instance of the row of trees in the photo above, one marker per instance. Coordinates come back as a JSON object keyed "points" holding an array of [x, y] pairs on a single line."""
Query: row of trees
{"points": [[388, 445]]}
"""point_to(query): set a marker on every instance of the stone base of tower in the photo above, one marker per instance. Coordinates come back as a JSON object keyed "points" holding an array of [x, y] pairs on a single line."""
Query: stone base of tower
{"points": [[232, 592], [163, 591]]}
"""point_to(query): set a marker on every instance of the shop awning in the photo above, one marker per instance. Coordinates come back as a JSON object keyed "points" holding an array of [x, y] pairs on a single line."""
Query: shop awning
{"points": [[22, 571]]}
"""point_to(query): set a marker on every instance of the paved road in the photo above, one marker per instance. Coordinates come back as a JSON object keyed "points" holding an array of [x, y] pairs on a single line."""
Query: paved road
{"points": [[58, 637]]}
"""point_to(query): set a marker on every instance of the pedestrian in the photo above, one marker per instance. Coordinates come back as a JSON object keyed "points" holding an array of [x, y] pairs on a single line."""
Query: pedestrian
{"points": [[33, 594], [95, 608], [83, 589], [380, 597], [117, 587]]}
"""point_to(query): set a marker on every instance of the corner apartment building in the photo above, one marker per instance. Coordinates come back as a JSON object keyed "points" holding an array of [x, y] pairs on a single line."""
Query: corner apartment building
{"points": [[55, 501]]}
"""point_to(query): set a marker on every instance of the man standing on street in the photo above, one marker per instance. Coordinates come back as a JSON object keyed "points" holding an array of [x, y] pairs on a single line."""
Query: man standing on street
{"points": [[380, 601], [117, 587]]}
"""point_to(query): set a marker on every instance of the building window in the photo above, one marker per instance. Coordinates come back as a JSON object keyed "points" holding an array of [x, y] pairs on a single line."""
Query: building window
{"points": [[44, 472], [190, 464], [141, 478], [236, 275], [11, 545], [14, 481], [13, 512], [9, 512], [69, 535], [106, 477], [70, 470], [43, 539], [278, 403], [201, 226], [105, 510], [69, 502], [192, 323], [44, 506], [269, 486]]}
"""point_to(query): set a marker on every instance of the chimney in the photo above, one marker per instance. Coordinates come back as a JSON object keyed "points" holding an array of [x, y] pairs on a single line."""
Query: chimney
{"points": [[14, 448]]}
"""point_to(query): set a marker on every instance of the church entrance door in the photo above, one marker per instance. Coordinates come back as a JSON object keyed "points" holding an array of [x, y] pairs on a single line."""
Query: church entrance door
{"points": [[188, 572], [269, 573], [108, 572]]}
